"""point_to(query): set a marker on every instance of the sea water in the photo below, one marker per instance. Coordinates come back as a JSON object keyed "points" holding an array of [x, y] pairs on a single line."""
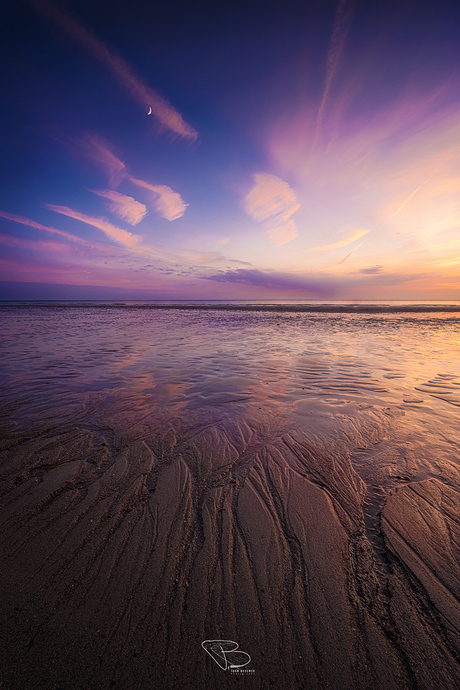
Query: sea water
{"points": [[211, 460], [317, 367]]}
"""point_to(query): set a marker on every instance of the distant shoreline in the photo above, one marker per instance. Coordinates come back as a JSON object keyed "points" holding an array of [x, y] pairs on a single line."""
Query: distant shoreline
{"points": [[251, 307]]}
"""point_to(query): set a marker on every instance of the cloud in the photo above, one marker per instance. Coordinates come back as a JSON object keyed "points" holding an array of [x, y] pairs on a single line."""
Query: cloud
{"points": [[270, 197], [238, 261], [203, 257], [127, 239], [165, 113], [196, 257], [125, 207], [38, 226], [406, 201], [387, 279], [166, 201], [282, 234], [353, 235], [36, 245], [275, 281], [371, 270], [123, 237], [273, 202], [100, 152], [334, 53]]}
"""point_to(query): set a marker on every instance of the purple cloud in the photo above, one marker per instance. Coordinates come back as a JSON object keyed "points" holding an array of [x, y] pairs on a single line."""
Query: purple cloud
{"points": [[275, 281], [371, 270]]}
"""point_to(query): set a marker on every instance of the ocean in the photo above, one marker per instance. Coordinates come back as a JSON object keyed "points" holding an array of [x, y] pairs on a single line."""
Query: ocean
{"points": [[282, 475]]}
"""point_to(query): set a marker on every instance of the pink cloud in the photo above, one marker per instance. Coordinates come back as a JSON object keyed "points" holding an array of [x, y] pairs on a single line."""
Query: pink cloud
{"points": [[125, 207], [99, 151], [123, 237], [269, 197], [166, 201], [38, 226], [203, 257], [31, 223], [32, 270], [273, 202], [150, 100], [36, 245], [283, 234], [353, 235], [127, 239]]}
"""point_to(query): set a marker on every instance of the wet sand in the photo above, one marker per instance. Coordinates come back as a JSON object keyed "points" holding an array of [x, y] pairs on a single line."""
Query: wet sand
{"points": [[327, 546], [122, 552]]}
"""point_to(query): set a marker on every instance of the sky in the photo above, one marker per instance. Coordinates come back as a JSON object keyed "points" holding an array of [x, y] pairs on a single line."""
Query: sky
{"points": [[244, 150]]}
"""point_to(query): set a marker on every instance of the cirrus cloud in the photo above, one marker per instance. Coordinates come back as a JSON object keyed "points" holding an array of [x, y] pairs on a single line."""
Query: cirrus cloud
{"points": [[125, 207], [353, 235], [150, 100], [54, 231], [124, 237], [166, 201], [271, 201], [98, 151]]}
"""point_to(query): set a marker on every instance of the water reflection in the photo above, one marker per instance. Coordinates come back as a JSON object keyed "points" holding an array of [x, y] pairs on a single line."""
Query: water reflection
{"points": [[223, 364]]}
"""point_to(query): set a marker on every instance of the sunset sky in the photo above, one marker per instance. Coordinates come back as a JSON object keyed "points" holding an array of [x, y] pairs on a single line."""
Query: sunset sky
{"points": [[259, 150]]}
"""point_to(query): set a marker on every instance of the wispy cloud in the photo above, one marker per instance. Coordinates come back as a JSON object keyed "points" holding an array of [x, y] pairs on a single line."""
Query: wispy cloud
{"points": [[127, 239], [125, 207], [203, 257], [38, 226], [276, 281], [282, 234], [406, 201], [123, 237], [371, 270], [273, 202], [100, 152], [395, 278], [37, 269], [353, 235], [47, 246], [334, 53], [395, 171], [150, 100], [270, 197], [166, 201], [346, 257]]}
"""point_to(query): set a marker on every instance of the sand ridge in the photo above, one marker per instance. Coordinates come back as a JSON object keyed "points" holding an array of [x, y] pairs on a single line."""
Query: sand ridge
{"points": [[124, 551]]}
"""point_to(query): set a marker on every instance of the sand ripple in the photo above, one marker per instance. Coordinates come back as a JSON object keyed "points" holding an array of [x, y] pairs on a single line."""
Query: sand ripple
{"points": [[127, 546]]}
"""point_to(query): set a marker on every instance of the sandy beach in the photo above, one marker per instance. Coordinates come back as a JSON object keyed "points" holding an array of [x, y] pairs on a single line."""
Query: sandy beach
{"points": [[230, 345], [325, 550]]}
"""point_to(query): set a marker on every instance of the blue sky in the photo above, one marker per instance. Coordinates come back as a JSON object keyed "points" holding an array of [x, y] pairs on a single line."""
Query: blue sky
{"points": [[256, 150]]}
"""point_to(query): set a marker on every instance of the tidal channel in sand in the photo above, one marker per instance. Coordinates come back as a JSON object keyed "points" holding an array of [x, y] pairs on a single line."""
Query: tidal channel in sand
{"points": [[286, 480]]}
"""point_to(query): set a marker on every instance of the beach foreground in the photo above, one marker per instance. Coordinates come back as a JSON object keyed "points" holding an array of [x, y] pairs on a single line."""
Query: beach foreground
{"points": [[323, 543]]}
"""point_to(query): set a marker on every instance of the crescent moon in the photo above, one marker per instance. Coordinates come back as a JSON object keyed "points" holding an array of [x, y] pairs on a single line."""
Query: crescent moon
{"points": [[149, 111]]}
